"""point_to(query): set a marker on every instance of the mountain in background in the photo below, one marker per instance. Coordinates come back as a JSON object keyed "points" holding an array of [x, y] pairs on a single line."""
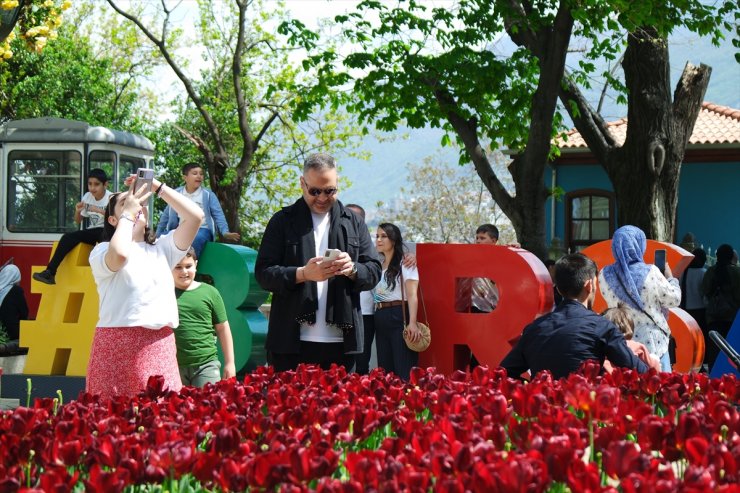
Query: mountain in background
{"points": [[381, 177]]}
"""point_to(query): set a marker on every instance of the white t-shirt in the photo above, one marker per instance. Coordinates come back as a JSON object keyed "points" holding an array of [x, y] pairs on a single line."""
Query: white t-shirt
{"points": [[321, 331], [197, 197], [142, 293], [367, 302], [383, 293], [95, 219], [694, 296]]}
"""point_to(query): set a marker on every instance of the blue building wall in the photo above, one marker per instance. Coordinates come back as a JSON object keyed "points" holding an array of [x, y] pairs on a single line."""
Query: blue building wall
{"points": [[708, 202], [571, 178]]}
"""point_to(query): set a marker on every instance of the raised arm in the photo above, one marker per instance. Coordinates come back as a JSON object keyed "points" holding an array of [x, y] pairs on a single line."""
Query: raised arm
{"points": [[164, 219], [132, 206], [191, 216]]}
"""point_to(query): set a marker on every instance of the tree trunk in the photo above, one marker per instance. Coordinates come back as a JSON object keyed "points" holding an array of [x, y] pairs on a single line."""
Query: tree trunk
{"points": [[229, 195], [645, 170]]}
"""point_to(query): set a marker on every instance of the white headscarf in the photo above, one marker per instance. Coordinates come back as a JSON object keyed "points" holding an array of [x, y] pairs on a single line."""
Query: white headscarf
{"points": [[9, 276]]}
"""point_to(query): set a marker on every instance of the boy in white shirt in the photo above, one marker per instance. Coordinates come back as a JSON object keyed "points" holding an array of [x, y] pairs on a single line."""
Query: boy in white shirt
{"points": [[215, 221], [92, 206]]}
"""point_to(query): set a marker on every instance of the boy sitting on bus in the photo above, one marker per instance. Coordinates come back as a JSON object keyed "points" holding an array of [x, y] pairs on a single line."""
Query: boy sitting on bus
{"points": [[92, 206], [192, 174]]}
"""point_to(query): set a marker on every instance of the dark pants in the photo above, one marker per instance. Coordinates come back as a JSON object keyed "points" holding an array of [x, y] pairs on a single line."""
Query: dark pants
{"points": [[393, 354], [70, 240], [314, 353], [362, 361]]}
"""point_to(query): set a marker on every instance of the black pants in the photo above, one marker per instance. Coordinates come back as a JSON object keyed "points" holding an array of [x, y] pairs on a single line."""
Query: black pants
{"points": [[315, 353], [362, 361], [393, 354], [70, 240]]}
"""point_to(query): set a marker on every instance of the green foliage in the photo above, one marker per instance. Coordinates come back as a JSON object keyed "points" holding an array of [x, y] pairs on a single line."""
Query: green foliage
{"points": [[250, 149], [475, 68], [74, 77]]}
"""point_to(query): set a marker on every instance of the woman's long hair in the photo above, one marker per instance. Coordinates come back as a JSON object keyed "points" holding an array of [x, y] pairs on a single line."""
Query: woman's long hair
{"points": [[394, 266], [722, 267], [109, 229]]}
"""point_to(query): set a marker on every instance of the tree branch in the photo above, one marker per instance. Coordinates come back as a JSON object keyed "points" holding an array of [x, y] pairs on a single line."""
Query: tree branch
{"points": [[265, 127], [162, 46], [467, 130], [248, 143], [687, 100], [589, 122]]}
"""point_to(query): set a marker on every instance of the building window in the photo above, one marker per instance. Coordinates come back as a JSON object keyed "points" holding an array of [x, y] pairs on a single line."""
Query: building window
{"points": [[43, 188], [590, 218]]}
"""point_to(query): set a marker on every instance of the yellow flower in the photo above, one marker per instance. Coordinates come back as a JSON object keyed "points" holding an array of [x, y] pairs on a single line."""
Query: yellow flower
{"points": [[8, 4], [32, 32], [43, 30], [49, 3], [10, 37], [66, 4], [8, 55], [40, 43]]}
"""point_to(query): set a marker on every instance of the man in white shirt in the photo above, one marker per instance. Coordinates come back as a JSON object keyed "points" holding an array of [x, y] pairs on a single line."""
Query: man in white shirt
{"points": [[315, 315]]}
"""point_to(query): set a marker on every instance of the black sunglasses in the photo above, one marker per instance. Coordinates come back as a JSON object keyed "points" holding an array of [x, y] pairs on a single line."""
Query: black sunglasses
{"points": [[315, 192]]}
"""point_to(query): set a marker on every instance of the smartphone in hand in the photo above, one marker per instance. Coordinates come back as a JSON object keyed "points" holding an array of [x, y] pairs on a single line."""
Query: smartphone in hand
{"points": [[331, 254], [144, 177], [660, 256]]}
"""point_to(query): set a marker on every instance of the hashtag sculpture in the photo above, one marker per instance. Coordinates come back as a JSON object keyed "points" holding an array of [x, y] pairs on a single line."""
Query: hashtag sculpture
{"points": [[60, 338]]}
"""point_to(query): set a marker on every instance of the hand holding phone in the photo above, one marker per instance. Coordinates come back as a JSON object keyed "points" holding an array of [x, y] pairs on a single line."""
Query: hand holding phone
{"points": [[331, 254], [144, 177]]}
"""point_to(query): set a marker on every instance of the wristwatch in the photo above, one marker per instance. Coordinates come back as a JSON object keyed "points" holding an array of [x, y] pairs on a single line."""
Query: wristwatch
{"points": [[354, 270]]}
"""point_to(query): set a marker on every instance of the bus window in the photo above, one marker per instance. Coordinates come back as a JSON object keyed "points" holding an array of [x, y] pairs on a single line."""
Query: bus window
{"points": [[105, 160], [43, 188], [128, 166]]}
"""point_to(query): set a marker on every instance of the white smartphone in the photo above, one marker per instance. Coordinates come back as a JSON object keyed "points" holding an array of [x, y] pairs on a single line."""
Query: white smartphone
{"points": [[144, 177], [331, 254]]}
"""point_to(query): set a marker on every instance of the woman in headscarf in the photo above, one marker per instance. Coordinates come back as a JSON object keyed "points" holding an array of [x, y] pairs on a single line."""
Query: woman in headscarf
{"points": [[13, 306], [643, 289]]}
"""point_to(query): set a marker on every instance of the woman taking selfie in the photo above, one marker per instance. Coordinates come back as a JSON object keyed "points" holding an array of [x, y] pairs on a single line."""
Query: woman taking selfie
{"points": [[643, 289], [397, 290], [134, 338]]}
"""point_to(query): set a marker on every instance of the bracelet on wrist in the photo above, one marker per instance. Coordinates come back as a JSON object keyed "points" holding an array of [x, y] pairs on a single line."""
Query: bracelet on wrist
{"points": [[127, 216], [160, 190]]}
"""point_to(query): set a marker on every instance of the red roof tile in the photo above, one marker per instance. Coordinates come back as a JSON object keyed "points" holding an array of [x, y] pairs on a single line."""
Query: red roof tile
{"points": [[715, 125]]}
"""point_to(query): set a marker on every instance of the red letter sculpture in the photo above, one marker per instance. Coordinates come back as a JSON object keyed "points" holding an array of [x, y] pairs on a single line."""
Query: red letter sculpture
{"points": [[525, 292]]}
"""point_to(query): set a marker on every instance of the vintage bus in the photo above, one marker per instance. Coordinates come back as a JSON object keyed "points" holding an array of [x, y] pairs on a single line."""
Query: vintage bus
{"points": [[43, 169]]}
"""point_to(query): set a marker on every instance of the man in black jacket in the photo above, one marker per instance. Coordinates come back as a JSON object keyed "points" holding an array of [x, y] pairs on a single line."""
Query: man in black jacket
{"points": [[315, 314], [560, 341]]}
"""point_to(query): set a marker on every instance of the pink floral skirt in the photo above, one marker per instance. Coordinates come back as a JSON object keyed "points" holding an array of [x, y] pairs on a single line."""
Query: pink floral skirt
{"points": [[123, 358]]}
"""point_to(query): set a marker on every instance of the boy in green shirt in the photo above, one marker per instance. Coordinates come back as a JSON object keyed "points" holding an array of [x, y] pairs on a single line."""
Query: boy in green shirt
{"points": [[201, 311]]}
